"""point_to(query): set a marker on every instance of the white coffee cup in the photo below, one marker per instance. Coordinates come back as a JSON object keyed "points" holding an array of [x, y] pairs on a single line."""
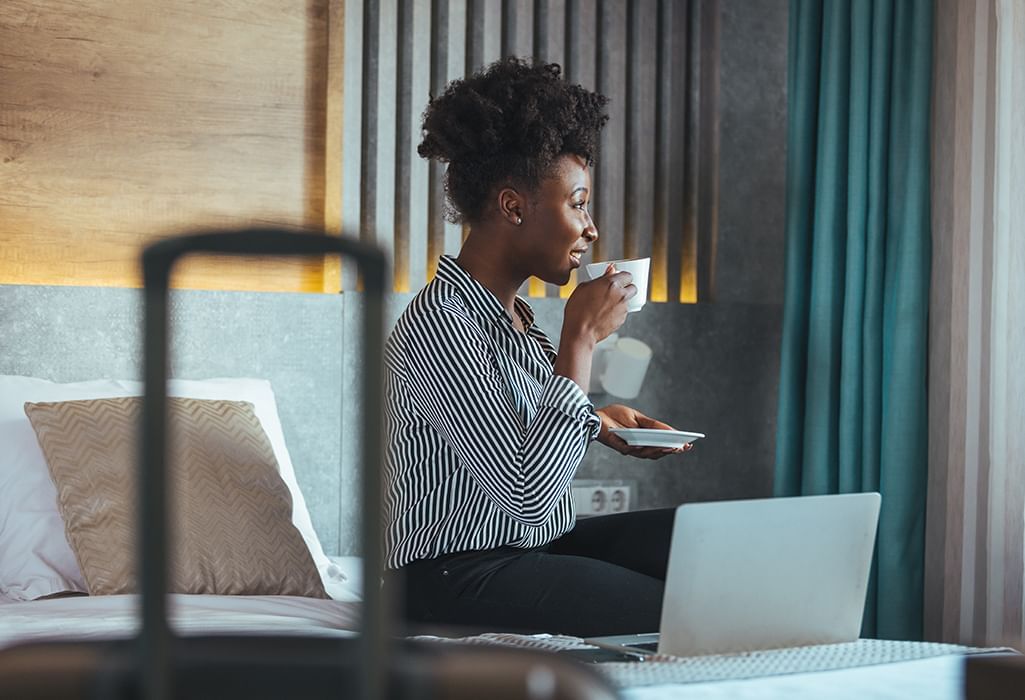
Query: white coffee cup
{"points": [[638, 268], [625, 367]]}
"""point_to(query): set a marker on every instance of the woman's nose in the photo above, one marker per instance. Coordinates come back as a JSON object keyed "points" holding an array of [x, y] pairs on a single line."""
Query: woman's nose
{"points": [[591, 232]]}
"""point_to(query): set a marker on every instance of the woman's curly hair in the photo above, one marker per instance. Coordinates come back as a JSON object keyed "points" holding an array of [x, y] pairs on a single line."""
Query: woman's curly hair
{"points": [[508, 122]]}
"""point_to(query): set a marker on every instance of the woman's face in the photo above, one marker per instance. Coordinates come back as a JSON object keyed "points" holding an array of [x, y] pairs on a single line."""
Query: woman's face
{"points": [[557, 227]]}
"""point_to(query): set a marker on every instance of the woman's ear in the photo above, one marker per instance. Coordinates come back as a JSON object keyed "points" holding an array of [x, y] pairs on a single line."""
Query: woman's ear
{"points": [[511, 205]]}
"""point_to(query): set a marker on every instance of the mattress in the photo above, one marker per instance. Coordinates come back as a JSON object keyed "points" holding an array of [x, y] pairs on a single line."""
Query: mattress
{"points": [[116, 616]]}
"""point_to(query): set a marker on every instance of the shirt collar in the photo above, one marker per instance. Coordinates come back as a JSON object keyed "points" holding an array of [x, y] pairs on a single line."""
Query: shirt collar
{"points": [[479, 298]]}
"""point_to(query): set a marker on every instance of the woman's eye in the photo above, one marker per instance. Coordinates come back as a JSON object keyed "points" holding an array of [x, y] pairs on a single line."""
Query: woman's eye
{"points": [[581, 206]]}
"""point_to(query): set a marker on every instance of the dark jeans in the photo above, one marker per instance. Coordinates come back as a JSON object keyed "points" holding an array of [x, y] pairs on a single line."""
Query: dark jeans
{"points": [[603, 577]]}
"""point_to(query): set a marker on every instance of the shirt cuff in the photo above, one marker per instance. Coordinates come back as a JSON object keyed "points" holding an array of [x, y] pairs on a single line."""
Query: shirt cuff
{"points": [[563, 394]]}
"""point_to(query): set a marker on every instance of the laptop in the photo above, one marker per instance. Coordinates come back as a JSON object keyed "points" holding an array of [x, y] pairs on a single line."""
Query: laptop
{"points": [[762, 574]]}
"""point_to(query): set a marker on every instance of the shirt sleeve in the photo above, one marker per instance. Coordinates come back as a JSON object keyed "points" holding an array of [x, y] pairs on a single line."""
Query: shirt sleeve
{"points": [[456, 385]]}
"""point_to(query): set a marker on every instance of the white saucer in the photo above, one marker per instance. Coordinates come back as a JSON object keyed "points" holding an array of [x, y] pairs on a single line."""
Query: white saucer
{"points": [[649, 437]]}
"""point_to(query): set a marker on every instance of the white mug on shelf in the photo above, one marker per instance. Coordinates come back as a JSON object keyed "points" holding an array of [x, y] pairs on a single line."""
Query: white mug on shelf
{"points": [[601, 353], [624, 368]]}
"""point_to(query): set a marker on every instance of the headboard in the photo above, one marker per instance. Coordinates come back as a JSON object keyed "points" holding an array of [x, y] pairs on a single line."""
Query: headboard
{"points": [[67, 334]]}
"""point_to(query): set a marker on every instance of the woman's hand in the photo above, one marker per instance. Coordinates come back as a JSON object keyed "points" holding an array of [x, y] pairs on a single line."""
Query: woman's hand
{"points": [[620, 416], [597, 308], [593, 311]]}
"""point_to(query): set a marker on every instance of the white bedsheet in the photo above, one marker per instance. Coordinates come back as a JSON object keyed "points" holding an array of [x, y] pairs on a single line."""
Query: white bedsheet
{"points": [[936, 678], [110, 617], [862, 669]]}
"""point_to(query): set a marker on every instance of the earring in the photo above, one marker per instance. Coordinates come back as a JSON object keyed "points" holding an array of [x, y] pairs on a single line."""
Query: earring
{"points": [[519, 220]]}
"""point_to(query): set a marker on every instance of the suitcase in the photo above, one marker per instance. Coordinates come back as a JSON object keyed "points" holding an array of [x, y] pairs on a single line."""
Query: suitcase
{"points": [[158, 665]]}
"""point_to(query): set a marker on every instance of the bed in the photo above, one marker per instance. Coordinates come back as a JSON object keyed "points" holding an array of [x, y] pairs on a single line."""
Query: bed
{"points": [[938, 673], [44, 584]]}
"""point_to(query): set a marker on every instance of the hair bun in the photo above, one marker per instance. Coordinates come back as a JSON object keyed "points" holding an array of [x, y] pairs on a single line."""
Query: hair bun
{"points": [[461, 125], [509, 121]]}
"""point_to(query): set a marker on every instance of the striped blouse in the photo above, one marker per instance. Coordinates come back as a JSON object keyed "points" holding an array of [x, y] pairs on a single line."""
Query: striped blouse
{"points": [[483, 439]]}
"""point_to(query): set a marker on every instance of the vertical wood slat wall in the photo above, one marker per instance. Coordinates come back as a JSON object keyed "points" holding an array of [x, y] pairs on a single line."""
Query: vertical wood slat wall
{"points": [[654, 183]]}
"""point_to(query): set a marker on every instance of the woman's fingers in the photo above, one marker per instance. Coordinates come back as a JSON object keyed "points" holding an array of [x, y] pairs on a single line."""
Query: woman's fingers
{"points": [[618, 444], [645, 422], [625, 281], [649, 452], [655, 452]]}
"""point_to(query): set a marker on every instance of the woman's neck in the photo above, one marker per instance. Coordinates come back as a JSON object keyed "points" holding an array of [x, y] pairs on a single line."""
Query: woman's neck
{"points": [[487, 263]]}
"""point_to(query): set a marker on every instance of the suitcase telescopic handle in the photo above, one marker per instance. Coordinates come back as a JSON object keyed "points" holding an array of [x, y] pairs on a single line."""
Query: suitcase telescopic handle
{"points": [[158, 261]]}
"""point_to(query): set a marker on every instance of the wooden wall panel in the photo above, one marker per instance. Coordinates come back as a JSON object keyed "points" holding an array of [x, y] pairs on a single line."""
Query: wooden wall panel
{"points": [[550, 40], [438, 60], [418, 167], [640, 162], [122, 120], [455, 67], [386, 129], [581, 68], [609, 198], [665, 245], [403, 139]]}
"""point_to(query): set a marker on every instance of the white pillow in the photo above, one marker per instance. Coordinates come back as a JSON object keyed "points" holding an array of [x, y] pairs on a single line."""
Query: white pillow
{"points": [[35, 558]]}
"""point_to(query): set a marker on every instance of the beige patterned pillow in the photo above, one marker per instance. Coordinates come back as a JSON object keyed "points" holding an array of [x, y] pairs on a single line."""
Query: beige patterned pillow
{"points": [[230, 512]]}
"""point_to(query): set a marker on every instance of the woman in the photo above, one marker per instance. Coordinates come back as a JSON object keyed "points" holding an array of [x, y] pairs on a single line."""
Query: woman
{"points": [[487, 424]]}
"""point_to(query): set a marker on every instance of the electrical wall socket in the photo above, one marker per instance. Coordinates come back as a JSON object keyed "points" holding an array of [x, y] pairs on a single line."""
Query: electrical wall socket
{"points": [[593, 497]]}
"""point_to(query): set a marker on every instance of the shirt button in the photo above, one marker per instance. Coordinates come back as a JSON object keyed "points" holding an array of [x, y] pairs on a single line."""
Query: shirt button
{"points": [[444, 572]]}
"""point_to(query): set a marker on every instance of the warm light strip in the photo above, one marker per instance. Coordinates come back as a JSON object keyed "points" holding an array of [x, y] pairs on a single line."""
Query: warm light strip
{"points": [[658, 285], [688, 280], [567, 289]]}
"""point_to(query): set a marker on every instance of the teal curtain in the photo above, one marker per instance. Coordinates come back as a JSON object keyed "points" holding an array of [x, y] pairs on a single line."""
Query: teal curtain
{"points": [[852, 402]]}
